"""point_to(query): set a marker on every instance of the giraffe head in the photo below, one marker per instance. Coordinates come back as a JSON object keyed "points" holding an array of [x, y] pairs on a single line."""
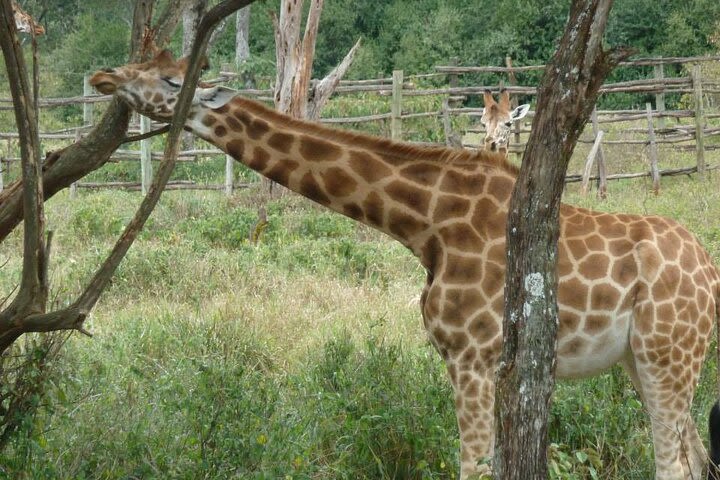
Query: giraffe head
{"points": [[152, 88], [498, 120]]}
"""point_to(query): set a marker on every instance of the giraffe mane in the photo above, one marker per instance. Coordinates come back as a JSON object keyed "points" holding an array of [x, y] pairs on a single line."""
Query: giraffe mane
{"points": [[381, 145]]}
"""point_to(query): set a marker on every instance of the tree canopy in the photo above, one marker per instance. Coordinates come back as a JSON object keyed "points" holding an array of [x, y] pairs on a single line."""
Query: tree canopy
{"points": [[396, 34]]}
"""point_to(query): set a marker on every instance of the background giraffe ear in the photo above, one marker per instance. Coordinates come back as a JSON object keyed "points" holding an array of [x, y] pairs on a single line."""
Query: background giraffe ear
{"points": [[520, 112], [214, 97]]}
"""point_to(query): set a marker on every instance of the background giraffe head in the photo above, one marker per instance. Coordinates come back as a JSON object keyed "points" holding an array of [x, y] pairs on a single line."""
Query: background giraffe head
{"points": [[498, 120], [152, 88]]}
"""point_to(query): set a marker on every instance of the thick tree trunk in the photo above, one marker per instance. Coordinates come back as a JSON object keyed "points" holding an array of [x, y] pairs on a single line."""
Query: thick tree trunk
{"points": [[526, 375]]}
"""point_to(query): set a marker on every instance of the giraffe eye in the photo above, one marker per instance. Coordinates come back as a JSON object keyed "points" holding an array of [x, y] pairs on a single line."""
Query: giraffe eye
{"points": [[508, 124], [171, 82]]}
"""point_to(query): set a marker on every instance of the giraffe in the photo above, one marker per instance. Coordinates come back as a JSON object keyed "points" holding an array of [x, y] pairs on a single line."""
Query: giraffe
{"points": [[24, 22], [635, 290], [498, 120]]}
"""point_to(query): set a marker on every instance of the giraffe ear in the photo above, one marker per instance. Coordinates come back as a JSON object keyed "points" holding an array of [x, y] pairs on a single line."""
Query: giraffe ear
{"points": [[520, 112], [214, 97]]}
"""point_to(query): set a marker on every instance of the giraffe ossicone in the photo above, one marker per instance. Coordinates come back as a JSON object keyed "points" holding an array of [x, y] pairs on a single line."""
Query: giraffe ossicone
{"points": [[635, 290]]}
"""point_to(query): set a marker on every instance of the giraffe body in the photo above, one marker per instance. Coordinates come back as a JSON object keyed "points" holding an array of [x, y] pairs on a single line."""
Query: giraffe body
{"points": [[635, 290]]}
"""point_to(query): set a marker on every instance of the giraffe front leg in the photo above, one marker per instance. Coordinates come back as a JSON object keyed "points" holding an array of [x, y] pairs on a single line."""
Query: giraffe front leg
{"points": [[474, 388], [467, 334], [474, 401]]}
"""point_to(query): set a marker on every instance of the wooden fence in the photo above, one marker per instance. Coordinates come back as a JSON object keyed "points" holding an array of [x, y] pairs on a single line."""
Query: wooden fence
{"points": [[398, 87]]}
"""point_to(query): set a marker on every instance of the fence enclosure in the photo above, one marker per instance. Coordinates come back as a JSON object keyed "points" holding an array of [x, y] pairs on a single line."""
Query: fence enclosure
{"points": [[656, 131]]}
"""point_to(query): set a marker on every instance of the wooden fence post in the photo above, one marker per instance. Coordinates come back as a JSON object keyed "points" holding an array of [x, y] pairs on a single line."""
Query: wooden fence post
{"points": [[660, 96], [145, 156], [229, 176], [699, 120], [396, 108], [602, 175], [73, 185], [654, 172], [512, 79], [88, 109], [589, 162]]}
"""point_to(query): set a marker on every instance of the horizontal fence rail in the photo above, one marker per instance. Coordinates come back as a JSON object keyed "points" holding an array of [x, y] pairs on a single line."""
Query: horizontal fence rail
{"points": [[660, 124]]}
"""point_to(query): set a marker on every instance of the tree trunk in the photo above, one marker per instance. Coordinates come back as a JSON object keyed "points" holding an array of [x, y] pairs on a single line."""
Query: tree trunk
{"points": [[190, 19], [242, 37], [526, 375]]}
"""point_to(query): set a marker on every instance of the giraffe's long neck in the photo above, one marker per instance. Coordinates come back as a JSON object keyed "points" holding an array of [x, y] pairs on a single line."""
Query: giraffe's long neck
{"points": [[416, 195]]}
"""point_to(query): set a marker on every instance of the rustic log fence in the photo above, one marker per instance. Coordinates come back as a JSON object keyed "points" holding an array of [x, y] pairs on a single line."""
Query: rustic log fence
{"points": [[400, 86]]}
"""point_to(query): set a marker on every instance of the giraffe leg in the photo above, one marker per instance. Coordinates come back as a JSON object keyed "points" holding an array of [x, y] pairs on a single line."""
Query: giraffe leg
{"points": [[474, 401], [692, 453]]}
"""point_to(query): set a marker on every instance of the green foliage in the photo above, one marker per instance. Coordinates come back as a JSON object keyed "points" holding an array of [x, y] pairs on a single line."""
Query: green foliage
{"points": [[101, 217]]}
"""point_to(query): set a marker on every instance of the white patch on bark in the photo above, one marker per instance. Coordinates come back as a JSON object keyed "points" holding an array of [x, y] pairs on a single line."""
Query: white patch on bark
{"points": [[534, 284]]}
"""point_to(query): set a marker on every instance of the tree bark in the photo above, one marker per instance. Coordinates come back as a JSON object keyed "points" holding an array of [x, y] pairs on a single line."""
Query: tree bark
{"points": [[32, 296], [190, 19], [526, 375], [242, 36]]}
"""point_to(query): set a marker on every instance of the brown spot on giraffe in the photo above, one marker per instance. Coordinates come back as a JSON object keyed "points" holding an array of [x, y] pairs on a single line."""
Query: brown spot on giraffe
{"points": [[411, 196], [450, 206], [282, 142], [316, 150], [338, 183], [369, 167]]}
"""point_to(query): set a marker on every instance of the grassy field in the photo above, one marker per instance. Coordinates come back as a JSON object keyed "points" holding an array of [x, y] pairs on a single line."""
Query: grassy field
{"points": [[301, 357]]}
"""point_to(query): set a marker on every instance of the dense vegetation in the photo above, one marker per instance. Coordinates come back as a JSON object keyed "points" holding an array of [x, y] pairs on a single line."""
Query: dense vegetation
{"points": [[413, 36], [301, 357]]}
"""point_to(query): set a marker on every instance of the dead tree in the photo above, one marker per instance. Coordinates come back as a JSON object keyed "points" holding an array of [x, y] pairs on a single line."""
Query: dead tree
{"points": [[566, 98], [293, 93]]}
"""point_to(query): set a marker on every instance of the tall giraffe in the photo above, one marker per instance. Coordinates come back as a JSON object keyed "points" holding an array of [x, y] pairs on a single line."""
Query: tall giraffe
{"points": [[498, 119], [635, 290]]}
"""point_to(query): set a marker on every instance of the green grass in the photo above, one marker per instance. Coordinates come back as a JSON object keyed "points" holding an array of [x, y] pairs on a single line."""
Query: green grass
{"points": [[300, 357]]}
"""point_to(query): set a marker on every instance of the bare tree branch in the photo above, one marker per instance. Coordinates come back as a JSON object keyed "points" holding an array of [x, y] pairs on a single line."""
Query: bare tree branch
{"points": [[321, 92], [102, 277], [93, 150], [150, 134], [25, 197]]}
